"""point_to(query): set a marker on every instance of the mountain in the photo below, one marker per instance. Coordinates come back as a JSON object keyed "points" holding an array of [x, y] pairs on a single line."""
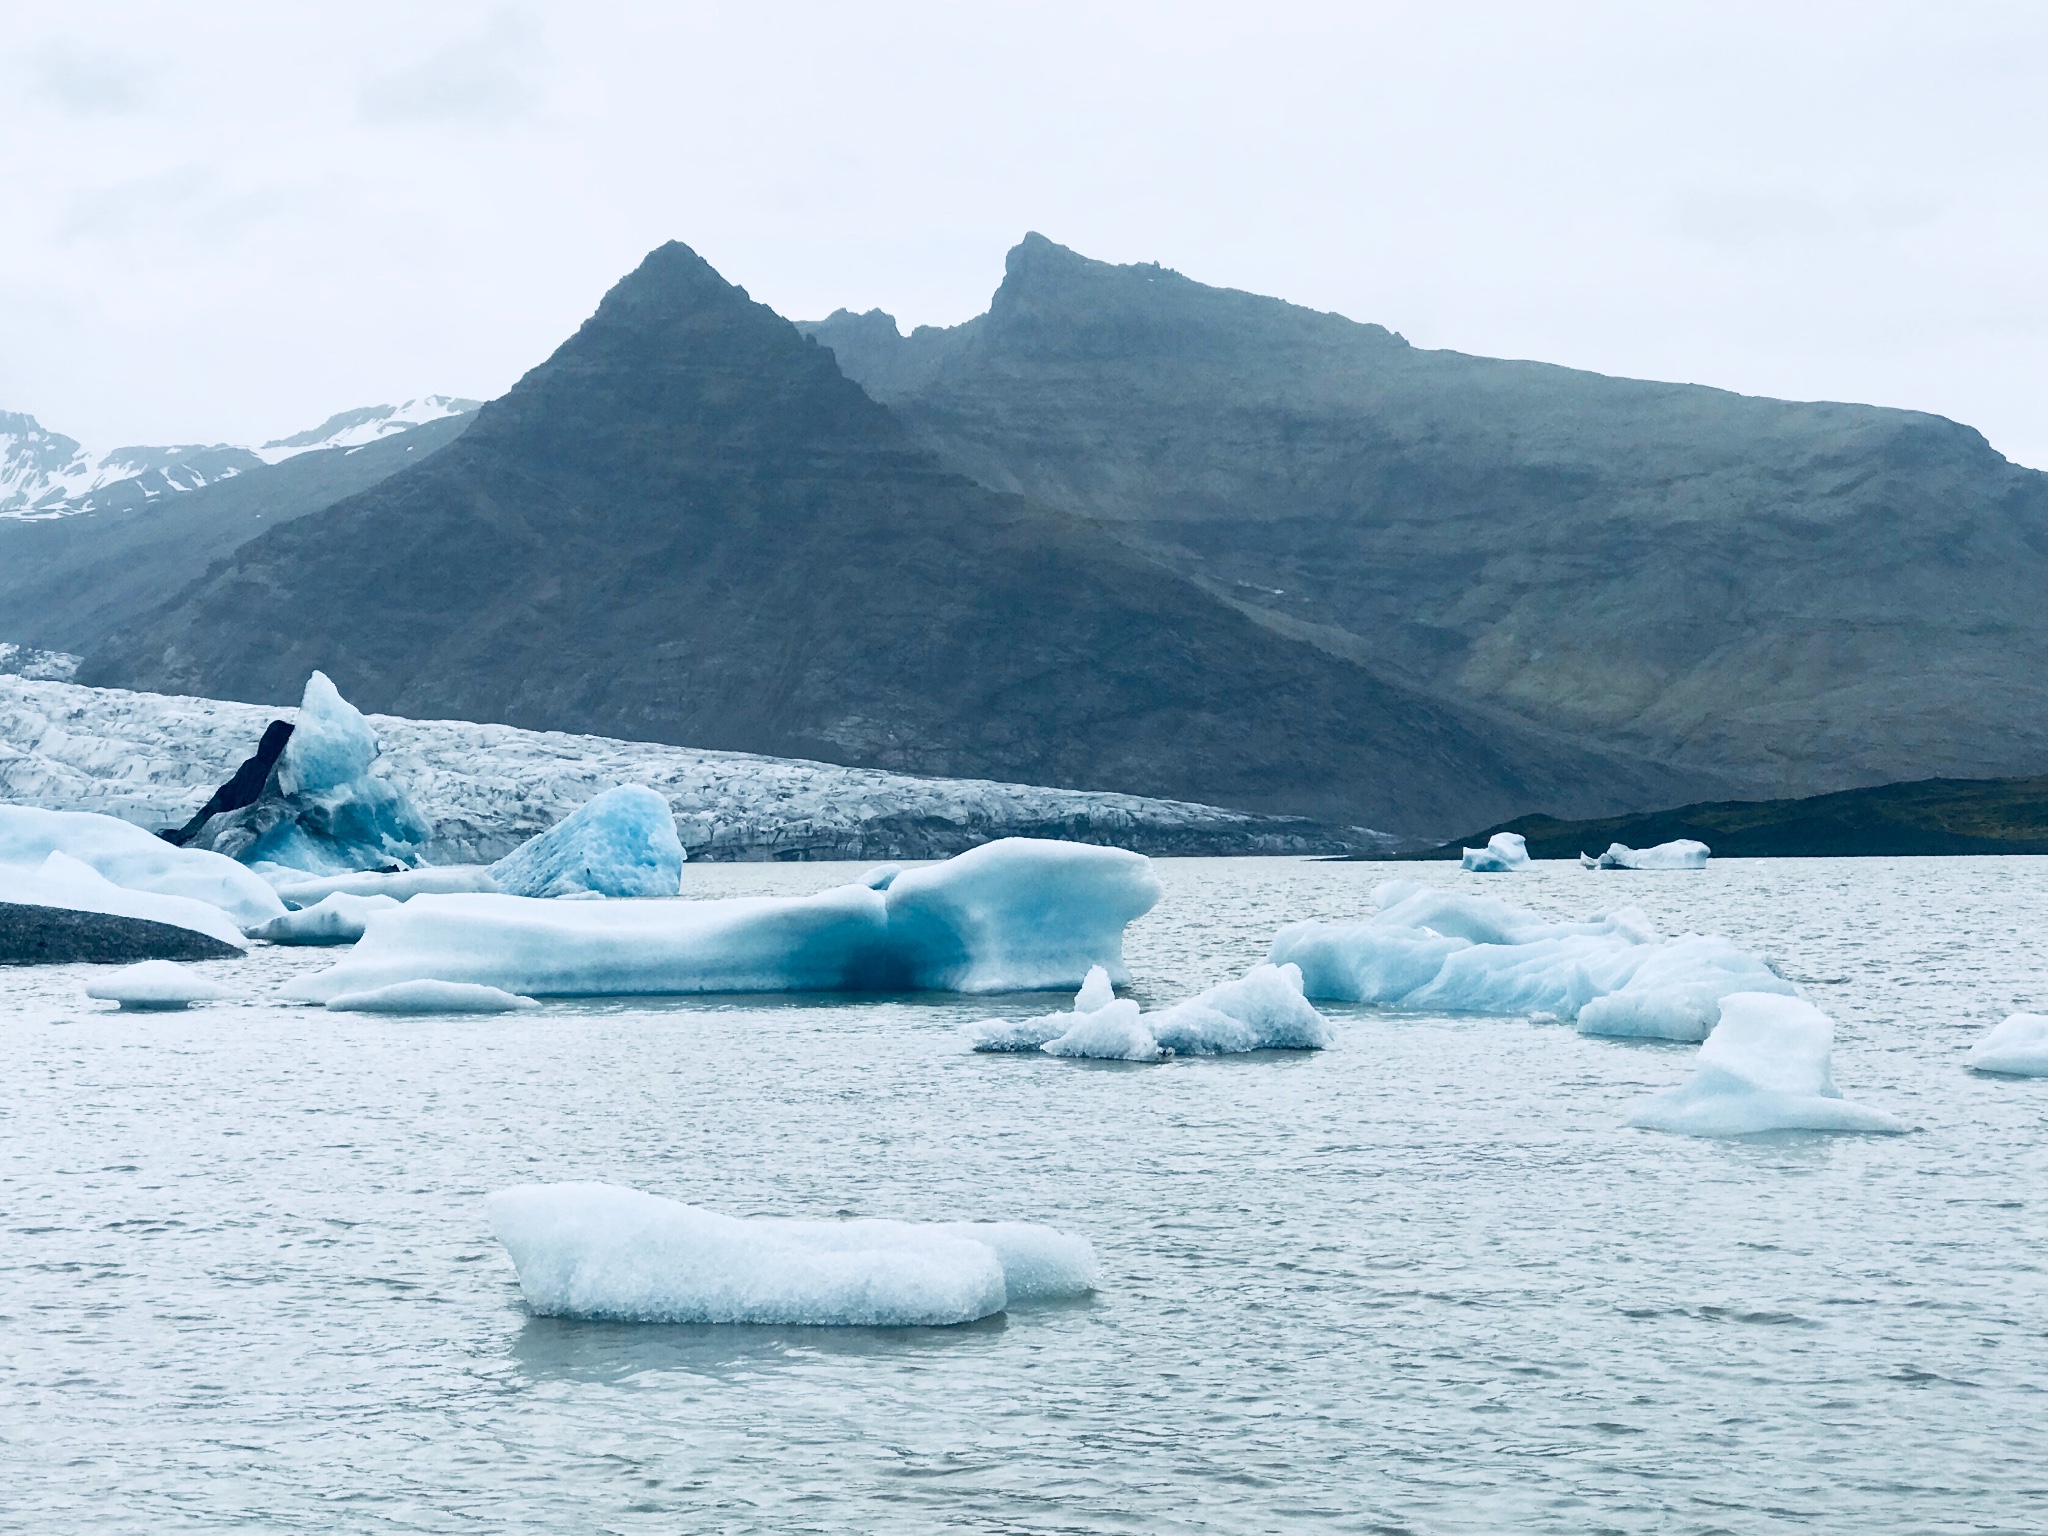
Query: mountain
{"points": [[688, 526], [1794, 597]]}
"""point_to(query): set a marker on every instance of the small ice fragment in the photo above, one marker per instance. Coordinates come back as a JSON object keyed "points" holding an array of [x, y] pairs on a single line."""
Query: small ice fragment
{"points": [[2016, 1048], [1096, 992], [1683, 853], [1263, 1010], [335, 919], [156, 984], [430, 997], [881, 877]]}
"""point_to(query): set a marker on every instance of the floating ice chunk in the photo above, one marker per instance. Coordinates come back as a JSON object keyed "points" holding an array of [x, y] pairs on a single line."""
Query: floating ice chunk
{"points": [[336, 919], [1764, 1068], [1504, 851], [1430, 948], [600, 1251], [136, 860], [65, 882], [1096, 991], [295, 890], [2016, 1048], [331, 744], [1261, 1011], [1681, 854], [1114, 1032], [620, 843], [1016, 915], [430, 997], [156, 984]]}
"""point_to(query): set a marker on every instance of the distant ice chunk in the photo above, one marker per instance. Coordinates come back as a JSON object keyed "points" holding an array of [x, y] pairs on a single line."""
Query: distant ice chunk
{"points": [[430, 997], [1432, 948], [1260, 1011], [620, 843], [600, 1251], [156, 984], [136, 860], [1018, 915], [1766, 1067], [295, 890], [2016, 1048], [335, 919], [1504, 851], [1684, 853], [64, 882], [881, 877]]}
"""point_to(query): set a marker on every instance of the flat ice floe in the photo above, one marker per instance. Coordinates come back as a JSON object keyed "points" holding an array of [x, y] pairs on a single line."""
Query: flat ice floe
{"points": [[1504, 851], [294, 889], [131, 858], [68, 884], [1263, 1010], [2016, 1048], [1430, 948], [1766, 1067], [620, 843], [336, 919], [430, 997], [605, 1252], [1683, 853], [156, 984], [1012, 916]]}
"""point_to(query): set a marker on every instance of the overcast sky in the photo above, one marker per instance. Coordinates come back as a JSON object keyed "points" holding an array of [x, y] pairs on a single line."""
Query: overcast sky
{"points": [[225, 221]]}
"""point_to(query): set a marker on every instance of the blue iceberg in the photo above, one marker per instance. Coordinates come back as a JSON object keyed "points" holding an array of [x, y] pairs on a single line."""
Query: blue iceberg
{"points": [[621, 843]]}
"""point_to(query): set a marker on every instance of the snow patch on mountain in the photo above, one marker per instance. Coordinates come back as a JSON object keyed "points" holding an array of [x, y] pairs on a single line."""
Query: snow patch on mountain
{"points": [[352, 429]]}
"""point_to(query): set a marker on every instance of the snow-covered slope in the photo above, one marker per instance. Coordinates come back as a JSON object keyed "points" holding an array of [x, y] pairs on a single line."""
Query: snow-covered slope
{"points": [[44, 474], [154, 759]]}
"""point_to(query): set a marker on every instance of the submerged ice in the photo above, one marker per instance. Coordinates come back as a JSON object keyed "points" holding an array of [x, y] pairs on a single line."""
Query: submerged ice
{"points": [[605, 1252], [430, 997], [1263, 1010], [1430, 948], [620, 843]]}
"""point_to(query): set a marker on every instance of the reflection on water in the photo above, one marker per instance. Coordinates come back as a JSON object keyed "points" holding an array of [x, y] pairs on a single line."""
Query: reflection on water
{"points": [[607, 1352]]}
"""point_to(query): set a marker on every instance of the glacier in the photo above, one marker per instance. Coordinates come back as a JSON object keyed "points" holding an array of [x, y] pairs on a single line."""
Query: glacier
{"points": [[70, 884], [430, 997], [1765, 1067], [127, 856], [1683, 853], [604, 1252], [1011, 916], [156, 985], [2018, 1047], [1263, 1010], [154, 760], [620, 843], [1429, 948], [1504, 851]]}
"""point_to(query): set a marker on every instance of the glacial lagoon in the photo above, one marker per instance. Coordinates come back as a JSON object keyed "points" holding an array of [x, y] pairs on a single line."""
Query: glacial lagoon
{"points": [[1425, 1280]]}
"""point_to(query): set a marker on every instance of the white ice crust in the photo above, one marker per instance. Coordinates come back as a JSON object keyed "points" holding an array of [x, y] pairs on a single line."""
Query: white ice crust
{"points": [[1683, 853], [131, 858], [62, 881], [1504, 851], [156, 984], [1766, 1067], [430, 997], [620, 843], [601, 1251], [295, 890], [1263, 1010], [1015, 915], [1430, 948], [335, 919], [2016, 1048]]}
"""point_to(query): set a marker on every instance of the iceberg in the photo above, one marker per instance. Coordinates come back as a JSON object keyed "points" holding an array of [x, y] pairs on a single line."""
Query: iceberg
{"points": [[336, 919], [323, 808], [1264, 1010], [65, 883], [603, 1252], [1431, 948], [1015, 915], [1766, 1067], [156, 984], [1681, 854], [1504, 851], [621, 843], [430, 997], [135, 860], [2016, 1048]]}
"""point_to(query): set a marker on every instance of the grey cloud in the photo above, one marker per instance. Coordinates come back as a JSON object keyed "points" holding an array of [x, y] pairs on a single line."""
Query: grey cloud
{"points": [[490, 78]]}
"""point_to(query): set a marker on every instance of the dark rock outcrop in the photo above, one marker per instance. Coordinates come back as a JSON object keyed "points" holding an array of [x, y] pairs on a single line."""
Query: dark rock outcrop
{"points": [[32, 935]]}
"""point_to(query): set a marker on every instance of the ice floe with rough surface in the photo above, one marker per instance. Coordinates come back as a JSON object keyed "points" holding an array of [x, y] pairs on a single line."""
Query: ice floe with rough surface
{"points": [[156, 984], [1431, 948], [1263, 1010], [1683, 853], [133, 859], [2016, 1048], [70, 884], [1018, 915], [295, 890], [430, 997], [336, 919], [1766, 1067], [620, 843], [605, 1252], [1504, 851]]}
